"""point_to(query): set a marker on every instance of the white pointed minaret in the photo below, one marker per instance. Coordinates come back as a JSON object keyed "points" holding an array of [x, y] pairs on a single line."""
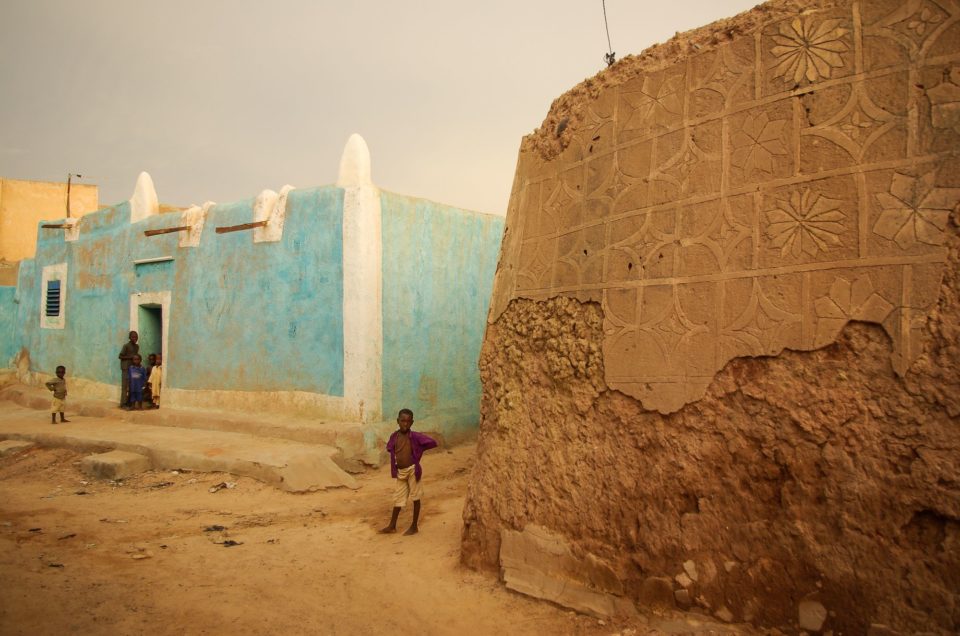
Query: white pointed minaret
{"points": [[355, 163], [362, 284], [144, 201]]}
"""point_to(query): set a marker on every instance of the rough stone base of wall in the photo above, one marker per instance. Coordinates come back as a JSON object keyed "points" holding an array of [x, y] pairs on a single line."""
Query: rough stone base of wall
{"points": [[800, 483]]}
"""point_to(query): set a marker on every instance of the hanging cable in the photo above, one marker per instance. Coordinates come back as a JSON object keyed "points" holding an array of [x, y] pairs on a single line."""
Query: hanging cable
{"points": [[609, 57]]}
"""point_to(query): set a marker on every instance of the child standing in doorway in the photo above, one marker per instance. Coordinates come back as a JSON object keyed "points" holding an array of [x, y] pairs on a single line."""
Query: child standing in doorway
{"points": [[148, 387], [156, 380], [138, 378], [59, 388]]}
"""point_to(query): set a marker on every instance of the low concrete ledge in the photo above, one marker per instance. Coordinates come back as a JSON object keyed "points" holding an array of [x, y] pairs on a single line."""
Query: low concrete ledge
{"points": [[12, 447], [284, 464], [115, 464], [348, 437]]}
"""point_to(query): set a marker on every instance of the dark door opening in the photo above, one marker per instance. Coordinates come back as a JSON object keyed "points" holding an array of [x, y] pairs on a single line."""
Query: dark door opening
{"points": [[151, 330]]}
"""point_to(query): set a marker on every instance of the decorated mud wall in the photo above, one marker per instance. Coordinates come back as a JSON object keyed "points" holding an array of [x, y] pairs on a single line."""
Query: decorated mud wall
{"points": [[296, 301], [721, 367]]}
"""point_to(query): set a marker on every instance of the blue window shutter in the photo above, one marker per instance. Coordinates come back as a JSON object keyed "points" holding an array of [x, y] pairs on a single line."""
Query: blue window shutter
{"points": [[53, 298]]}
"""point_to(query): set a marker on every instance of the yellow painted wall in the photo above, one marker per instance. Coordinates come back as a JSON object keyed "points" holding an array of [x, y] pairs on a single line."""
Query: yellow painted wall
{"points": [[23, 204]]}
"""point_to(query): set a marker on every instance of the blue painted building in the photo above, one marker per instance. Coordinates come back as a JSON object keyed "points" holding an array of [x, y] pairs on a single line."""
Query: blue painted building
{"points": [[343, 302]]}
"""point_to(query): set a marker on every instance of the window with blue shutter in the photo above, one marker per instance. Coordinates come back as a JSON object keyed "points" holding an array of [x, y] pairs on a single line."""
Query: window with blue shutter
{"points": [[53, 298]]}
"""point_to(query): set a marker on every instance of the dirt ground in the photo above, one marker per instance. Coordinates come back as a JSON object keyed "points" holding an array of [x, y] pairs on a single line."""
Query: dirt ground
{"points": [[79, 555]]}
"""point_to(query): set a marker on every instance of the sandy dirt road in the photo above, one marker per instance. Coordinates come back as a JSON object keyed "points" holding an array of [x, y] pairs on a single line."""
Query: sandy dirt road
{"points": [[136, 558], [84, 556]]}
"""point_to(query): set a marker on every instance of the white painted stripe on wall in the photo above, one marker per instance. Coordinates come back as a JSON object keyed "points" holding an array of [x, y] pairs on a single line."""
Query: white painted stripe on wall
{"points": [[362, 283]]}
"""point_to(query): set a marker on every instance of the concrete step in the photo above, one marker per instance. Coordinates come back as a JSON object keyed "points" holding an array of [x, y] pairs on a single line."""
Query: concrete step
{"points": [[348, 437], [288, 465], [13, 446]]}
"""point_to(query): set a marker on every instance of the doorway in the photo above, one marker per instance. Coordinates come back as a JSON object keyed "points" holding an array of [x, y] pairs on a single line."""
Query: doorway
{"points": [[151, 329], [150, 318]]}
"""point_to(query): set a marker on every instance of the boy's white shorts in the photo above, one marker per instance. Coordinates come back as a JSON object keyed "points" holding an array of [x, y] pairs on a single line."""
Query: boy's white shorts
{"points": [[407, 486]]}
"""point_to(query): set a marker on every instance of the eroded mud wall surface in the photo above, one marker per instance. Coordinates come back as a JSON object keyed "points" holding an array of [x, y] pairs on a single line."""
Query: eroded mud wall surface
{"points": [[722, 357]]}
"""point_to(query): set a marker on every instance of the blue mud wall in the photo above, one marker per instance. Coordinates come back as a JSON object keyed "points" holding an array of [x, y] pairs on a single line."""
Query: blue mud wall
{"points": [[244, 316], [438, 267], [8, 325]]}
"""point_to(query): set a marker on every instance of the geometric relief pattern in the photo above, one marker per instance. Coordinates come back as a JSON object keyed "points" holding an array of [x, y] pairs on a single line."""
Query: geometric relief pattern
{"points": [[755, 196], [759, 144], [945, 102], [758, 325], [848, 301], [915, 24], [723, 76], [915, 211], [856, 126], [717, 237], [808, 49], [806, 223]]}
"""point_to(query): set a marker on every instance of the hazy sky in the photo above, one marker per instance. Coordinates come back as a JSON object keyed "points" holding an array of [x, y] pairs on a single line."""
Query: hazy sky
{"points": [[219, 100]]}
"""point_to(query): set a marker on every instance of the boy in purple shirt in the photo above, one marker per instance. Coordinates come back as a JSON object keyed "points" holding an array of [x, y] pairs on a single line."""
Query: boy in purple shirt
{"points": [[406, 448]]}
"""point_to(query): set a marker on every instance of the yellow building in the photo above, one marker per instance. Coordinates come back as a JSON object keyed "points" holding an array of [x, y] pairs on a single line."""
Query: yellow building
{"points": [[23, 204]]}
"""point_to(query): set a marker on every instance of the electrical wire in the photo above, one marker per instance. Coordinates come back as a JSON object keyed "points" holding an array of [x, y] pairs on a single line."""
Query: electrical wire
{"points": [[609, 57]]}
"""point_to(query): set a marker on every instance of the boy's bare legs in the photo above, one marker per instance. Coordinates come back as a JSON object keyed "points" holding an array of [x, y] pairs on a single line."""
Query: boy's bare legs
{"points": [[393, 520], [62, 418], [53, 418], [416, 516]]}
